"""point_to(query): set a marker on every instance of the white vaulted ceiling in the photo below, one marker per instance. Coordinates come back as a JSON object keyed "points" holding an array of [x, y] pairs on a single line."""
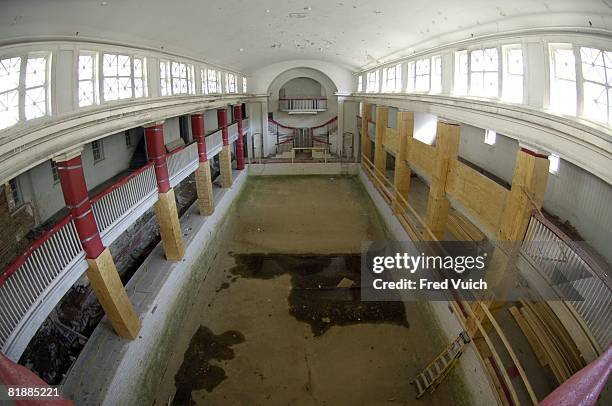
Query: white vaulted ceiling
{"points": [[248, 34]]}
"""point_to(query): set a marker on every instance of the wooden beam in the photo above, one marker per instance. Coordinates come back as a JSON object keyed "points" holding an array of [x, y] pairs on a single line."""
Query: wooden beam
{"points": [[380, 155], [366, 144], [405, 127], [107, 285], [526, 194], [447, 147], [535, 344]]}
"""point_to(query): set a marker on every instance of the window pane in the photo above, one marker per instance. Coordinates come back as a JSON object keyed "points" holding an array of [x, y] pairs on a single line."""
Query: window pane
{"points": [[110, 65], [476, 60], [9, 108], [422, 83], [563, 97], [86, 93], [515, 61], [137, 68], [564, 64], [36, 72], [593, 68], [411, 77], [35, 103], [9, 73], [461, 70], [513, 88], [124, 65], [490, 59], [490, 84], [138, 88], [111, 88], [422, 67], [85, 67], [125, 87], [595, 102]]}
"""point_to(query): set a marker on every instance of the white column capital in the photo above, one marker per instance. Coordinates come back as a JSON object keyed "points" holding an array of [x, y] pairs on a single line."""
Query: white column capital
{"points": [[67, 155]]}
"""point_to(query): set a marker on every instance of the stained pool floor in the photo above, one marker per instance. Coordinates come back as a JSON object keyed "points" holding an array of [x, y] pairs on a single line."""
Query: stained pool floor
{"points": [[270, 326]]}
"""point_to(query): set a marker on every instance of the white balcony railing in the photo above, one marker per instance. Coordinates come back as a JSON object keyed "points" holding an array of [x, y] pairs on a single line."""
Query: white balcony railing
{"points": [[574, 275], [36, 281], [31, 287], [302, 104]]}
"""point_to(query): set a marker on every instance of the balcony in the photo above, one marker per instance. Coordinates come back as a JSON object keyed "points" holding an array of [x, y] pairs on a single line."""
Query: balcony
{"points": [[302, 104]]}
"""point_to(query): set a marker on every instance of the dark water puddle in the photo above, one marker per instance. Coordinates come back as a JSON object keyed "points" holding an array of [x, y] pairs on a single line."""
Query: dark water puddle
{"points": [[315, 298], [196, 372]]}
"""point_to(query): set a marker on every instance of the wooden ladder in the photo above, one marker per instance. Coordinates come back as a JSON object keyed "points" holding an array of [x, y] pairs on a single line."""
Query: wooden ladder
{"points": [[439, 368]]}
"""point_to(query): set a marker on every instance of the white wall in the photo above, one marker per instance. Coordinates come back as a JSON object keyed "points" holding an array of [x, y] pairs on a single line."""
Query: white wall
{"points": [[37, 185], [577, 196], [172, 130], [262, 78], [303, 87], [573, 194], [310, 120], [497, 159]]}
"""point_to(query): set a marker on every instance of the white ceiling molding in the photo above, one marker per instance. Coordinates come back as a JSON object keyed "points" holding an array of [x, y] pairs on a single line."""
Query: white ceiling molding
{"points": [[583, 144]]}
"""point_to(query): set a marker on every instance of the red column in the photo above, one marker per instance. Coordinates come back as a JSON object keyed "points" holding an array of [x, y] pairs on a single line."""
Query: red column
{"points": [[156, 152], [239, 143], [197, 129], [222, 120], [74, 188]]}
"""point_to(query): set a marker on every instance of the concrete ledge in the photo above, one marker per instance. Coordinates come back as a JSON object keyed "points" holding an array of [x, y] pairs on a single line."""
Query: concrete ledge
{"points": [[315, 168], [114, 371], [471, 368]]}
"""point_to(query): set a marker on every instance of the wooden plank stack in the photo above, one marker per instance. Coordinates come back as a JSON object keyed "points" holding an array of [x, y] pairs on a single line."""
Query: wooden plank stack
{"points": [[549, 339]]}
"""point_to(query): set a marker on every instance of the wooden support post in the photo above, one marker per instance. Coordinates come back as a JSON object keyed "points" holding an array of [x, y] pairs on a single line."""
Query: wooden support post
{"points": [[102, 273], [526, 194], [107, 285], [165, 207], [225, 165], [366, 144], [169, 226], [206, 201], [380, 155], [401, 179], [447, 147], [225, 156]]}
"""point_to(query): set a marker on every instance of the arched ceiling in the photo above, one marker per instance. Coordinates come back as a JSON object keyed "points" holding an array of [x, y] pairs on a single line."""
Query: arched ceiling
{"points": [[248, 34]]}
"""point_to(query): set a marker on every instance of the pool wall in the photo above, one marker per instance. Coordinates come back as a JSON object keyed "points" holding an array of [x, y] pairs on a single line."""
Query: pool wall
{"points": [[114, 371], [470, 368]]}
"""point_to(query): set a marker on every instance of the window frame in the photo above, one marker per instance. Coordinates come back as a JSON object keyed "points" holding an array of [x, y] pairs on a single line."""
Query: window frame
{"points": [[217, 76], [244, 84], [54, 172], [375, 74], [22, 86], [230, 85], [16, 196], [483, 48], [505, 72], [581, 82], [100, 148], [552, 46], [46, 86], [490, 137], [396, 85], [132, 77], [95, 78]]}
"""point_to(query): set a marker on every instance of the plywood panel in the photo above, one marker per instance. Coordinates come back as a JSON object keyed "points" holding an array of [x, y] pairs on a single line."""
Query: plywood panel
{"points": [[391, 140], [421, 156], [482, 197]]}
